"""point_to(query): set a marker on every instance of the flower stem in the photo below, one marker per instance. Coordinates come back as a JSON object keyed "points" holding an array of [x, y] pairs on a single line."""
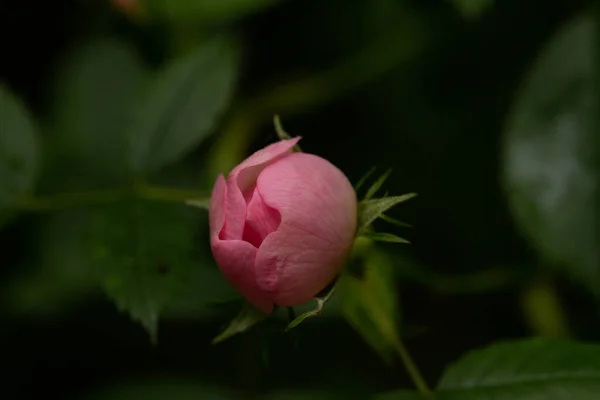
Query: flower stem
{"points": [[412, 369]]}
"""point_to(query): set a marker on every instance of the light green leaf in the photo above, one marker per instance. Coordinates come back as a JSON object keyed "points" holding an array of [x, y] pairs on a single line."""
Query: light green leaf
{"points": [[246, 319], [59, 273], [384, 237], [473, 8], [369, 302], [551, 152], [528, 369], [19, 152], [204, 11], [183, 105], [143, 253], [377, 185], [370, 210], [92, 108]]}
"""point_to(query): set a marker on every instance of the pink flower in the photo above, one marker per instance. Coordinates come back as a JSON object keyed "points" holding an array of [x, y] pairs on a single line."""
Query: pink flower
{"points": [[281, 225]]}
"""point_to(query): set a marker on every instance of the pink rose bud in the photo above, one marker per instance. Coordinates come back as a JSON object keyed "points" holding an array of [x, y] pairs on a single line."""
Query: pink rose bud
{"points": [[282, 225]]}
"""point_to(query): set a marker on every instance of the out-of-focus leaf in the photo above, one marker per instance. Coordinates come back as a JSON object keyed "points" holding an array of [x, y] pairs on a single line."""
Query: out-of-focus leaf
{"points": [[473, 8], [246, 319], [205, 290], [161, 389], [525, 370], [370, 210], [203, 204], [183, 106], [61, 271], [369, 302], [204, 11], [92, 109], [143, 253], [19, 151], [305, 395], [400, 395], [552, 147], [384, 237]]}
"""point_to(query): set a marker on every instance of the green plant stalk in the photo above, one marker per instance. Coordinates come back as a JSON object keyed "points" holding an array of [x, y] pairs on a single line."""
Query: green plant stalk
{"points": [[61, 201], [412, 369], [543, 311]]}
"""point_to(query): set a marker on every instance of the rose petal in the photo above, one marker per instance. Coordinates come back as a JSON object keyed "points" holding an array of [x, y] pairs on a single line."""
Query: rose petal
{"points": [[216, 213], [242, 178], [317, 204], [236, 260], [261, 220], [248, 170]]}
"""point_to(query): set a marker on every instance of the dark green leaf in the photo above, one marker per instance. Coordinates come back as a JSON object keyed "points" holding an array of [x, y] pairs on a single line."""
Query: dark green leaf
{"points": [[384, 237], [305, 395], [19, 152], [377, 185], [202, 11], [246, 319], [525, 370], [552, 147], [369, 302], [184, 105], [473, 8], [400, 395], [370, 210], [143, 253], [92, 108], [60, 270]]}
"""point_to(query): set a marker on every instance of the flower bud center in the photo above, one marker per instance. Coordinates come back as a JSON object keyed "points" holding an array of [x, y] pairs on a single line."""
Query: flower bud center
{"points": [[261, 220]]}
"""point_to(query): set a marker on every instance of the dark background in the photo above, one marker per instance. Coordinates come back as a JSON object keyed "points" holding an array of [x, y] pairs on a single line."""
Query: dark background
{"points": [[437, 117]]}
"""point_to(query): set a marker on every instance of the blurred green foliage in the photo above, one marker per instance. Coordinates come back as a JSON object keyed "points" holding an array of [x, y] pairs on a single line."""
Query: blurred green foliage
{"points": [[120, 112]]}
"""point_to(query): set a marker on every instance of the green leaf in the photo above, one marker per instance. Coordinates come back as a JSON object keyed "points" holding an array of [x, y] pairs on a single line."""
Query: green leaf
{"points": [[59, 272], [19, 152], [92, 108], [370, 210], [203, 204], [364, 178], [551, 148], [393, 221], [246, 319], [377, 185], [312, 313], [400, 395], [384, 237], [183, 105], [525, 370], [369, 302], [204, 11], [144, 256], [472, 9]]}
